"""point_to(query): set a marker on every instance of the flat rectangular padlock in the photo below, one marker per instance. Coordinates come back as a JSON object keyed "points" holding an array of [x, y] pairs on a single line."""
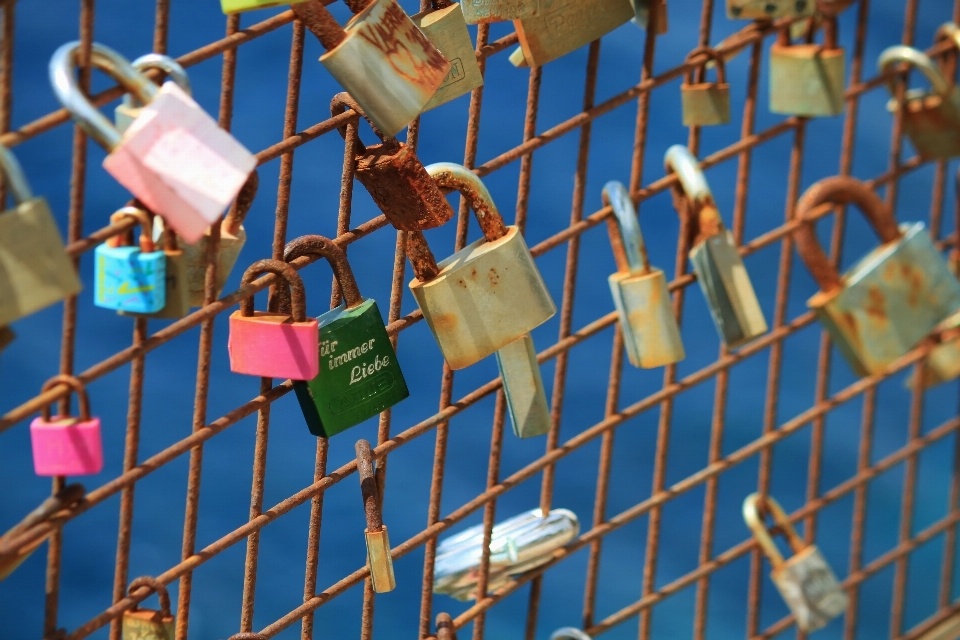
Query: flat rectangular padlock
{"points": [[523, 388], [720, 270], [808, 79], [130, 278], [64, 445], [705, 103], [486, 295], [379, 558], [892, 298], [239, 6], [563, 26], [482, 11], [445, 27], [769, 9], [177, 292], [641, 296], [144, 624]]}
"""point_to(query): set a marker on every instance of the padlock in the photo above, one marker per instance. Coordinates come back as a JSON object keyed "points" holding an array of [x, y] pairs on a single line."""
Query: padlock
{"points": [[381, 58], [379, 560], [523, 388], [273, 344], [808, 79], [445, 27], [569, 633], [64, 445], [173, 157], [640, 293], [483, 11], [239, 6], [705, 103], [144, 624], [12, 554], [130, 278], [892, 298], [486, 295], [6, 337], [806, 582], [641, 17], [720, 271], [563, 26], [395, 178], [931, 119], [769, 9], [176, 291], [35, 270], [129, 110], [359, 374]]}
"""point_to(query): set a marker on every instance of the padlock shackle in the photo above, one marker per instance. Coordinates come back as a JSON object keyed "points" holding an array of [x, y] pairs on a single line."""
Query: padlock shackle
{"points": [[698, 74], [838, 190], [13, 176], [422, 260], [753, 506], [78, 388], [241, 205], [368, 487], [920, 61], [298, 296], [454, 176], [693, 192], [64, 80], [155, 585], [321, 23], [163, 63], [337, 257], [143, 220], [629, 249], [342, 102], [569, 633]]}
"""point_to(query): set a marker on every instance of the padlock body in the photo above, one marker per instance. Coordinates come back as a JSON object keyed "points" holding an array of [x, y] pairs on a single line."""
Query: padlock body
{"points": [[523, 388], [196, 260], [932, 122], [238, 6], [810, 589], [144, 624], [177, 161], [563, 26], [177, 293], [890, 300], [389, 67], [807, 80], [447, 30], [379, 560], [129, 280], [705, 104], [35, 270], [66, 446], [272, 345], [359, 374], [645, 310], [486, 295], [768, 9], [481, 11], [726, 285]]}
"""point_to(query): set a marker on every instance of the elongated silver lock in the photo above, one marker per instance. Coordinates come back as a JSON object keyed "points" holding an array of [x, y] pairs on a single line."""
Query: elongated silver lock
{"points": [[523, 388]]}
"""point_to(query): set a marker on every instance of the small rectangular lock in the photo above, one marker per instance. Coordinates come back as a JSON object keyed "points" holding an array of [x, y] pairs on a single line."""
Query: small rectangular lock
{"points": [[447, 30], [807, 80], [177, 295], [482, 11], [379, 560], [932, 122], [128, 279], [147, 625], [705, 104], [563, 26], [650, 332], [523, 387], [768, 9], [810, 589]]}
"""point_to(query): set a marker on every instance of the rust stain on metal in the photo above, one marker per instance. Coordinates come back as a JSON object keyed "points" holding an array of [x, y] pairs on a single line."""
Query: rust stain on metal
{"points": [[393, 34]]}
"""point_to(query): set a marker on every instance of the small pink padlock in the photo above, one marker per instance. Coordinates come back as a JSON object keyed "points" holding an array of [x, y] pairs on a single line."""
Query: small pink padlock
{"points": [[173, 157], [275, 345], [64, 445]]}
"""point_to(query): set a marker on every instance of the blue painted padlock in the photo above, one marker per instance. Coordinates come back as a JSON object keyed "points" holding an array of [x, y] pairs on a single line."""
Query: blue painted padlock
{"points": [[131, 278]]}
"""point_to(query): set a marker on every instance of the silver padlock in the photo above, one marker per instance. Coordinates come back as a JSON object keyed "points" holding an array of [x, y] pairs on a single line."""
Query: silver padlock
{"points": [[130, 109], [523, 388], [720, 271], [640, 293], [569, 633], [806, 582]]}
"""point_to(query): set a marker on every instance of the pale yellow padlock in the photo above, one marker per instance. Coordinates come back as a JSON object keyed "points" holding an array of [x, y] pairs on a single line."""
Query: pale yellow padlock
{"points": [[445, 27]]}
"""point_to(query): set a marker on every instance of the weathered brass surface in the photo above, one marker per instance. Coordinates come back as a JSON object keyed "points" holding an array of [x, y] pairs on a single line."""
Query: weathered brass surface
{"points": [[447, 30], [523, 387], [563, 26]]}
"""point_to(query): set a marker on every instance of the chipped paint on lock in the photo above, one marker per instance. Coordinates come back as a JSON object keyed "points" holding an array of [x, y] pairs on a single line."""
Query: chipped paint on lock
{"points": [[480, 11], [563, 26]]}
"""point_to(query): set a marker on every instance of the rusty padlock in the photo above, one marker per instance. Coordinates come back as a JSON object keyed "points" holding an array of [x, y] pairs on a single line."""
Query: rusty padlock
{"points": [[379, 560], [641, 18], [808, 79], [768, 9], [483, 11], [705, 103], [144, 624], [395, 178], [446, 28]]}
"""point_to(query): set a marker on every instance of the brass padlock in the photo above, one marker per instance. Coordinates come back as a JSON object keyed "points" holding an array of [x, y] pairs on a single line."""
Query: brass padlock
{"points": [[769, 9], [892, 298], [931, 119], [523, 388], [808, 79], [130, 109], [445, 27], [381, 58], [705, 103], [177, 300], [651, 335], [6, 337], [563, 26], [144, 624], [720, 271], [395, 178], [482, 11], [806, 582], [379, 559], [641, 18]]}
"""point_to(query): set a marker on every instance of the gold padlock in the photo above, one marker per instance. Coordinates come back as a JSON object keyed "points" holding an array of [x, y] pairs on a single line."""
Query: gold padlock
{"points": [[705, 103], [379, 560], [806, 582], [144, 624], [769, 9], [808, 79], [482, 11], [641, 18], [445, 27], [177, 297], [523, 388]]}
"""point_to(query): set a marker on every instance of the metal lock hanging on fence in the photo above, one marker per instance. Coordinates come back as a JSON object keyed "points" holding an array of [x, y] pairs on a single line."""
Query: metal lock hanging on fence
{"points": [[569, 633], [563, 26], [808, 79], [379, 559], [523, 388], [806, 582], [769, 9], [64, 445], [273, 344], [395, 178], [641, 18], [144, 624], [892, 298], [486, 295], [173, 157], [129, 110], [359, 374], [35, 270], [130, 278], [176, 289], [640, 293], [482, 11], [445, 27], [705, 103], [381, 58], [720, 271], [239, 6]]}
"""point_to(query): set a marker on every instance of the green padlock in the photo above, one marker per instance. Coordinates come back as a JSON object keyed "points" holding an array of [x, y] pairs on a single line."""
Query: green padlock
{"points": [[359, 374], [238, 6]]}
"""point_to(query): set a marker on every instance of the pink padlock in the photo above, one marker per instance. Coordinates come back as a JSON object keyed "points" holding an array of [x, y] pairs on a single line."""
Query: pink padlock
{"points": [[173, 157], [275, 345], [63, 445]]}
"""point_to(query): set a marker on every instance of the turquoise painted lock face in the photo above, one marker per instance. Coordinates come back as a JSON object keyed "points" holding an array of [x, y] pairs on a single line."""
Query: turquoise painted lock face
{"points": [[129, 280], [359, 374]]}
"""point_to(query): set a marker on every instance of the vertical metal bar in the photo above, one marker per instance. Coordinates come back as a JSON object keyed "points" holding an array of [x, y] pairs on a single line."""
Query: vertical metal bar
{"points": [[8, 12]]}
